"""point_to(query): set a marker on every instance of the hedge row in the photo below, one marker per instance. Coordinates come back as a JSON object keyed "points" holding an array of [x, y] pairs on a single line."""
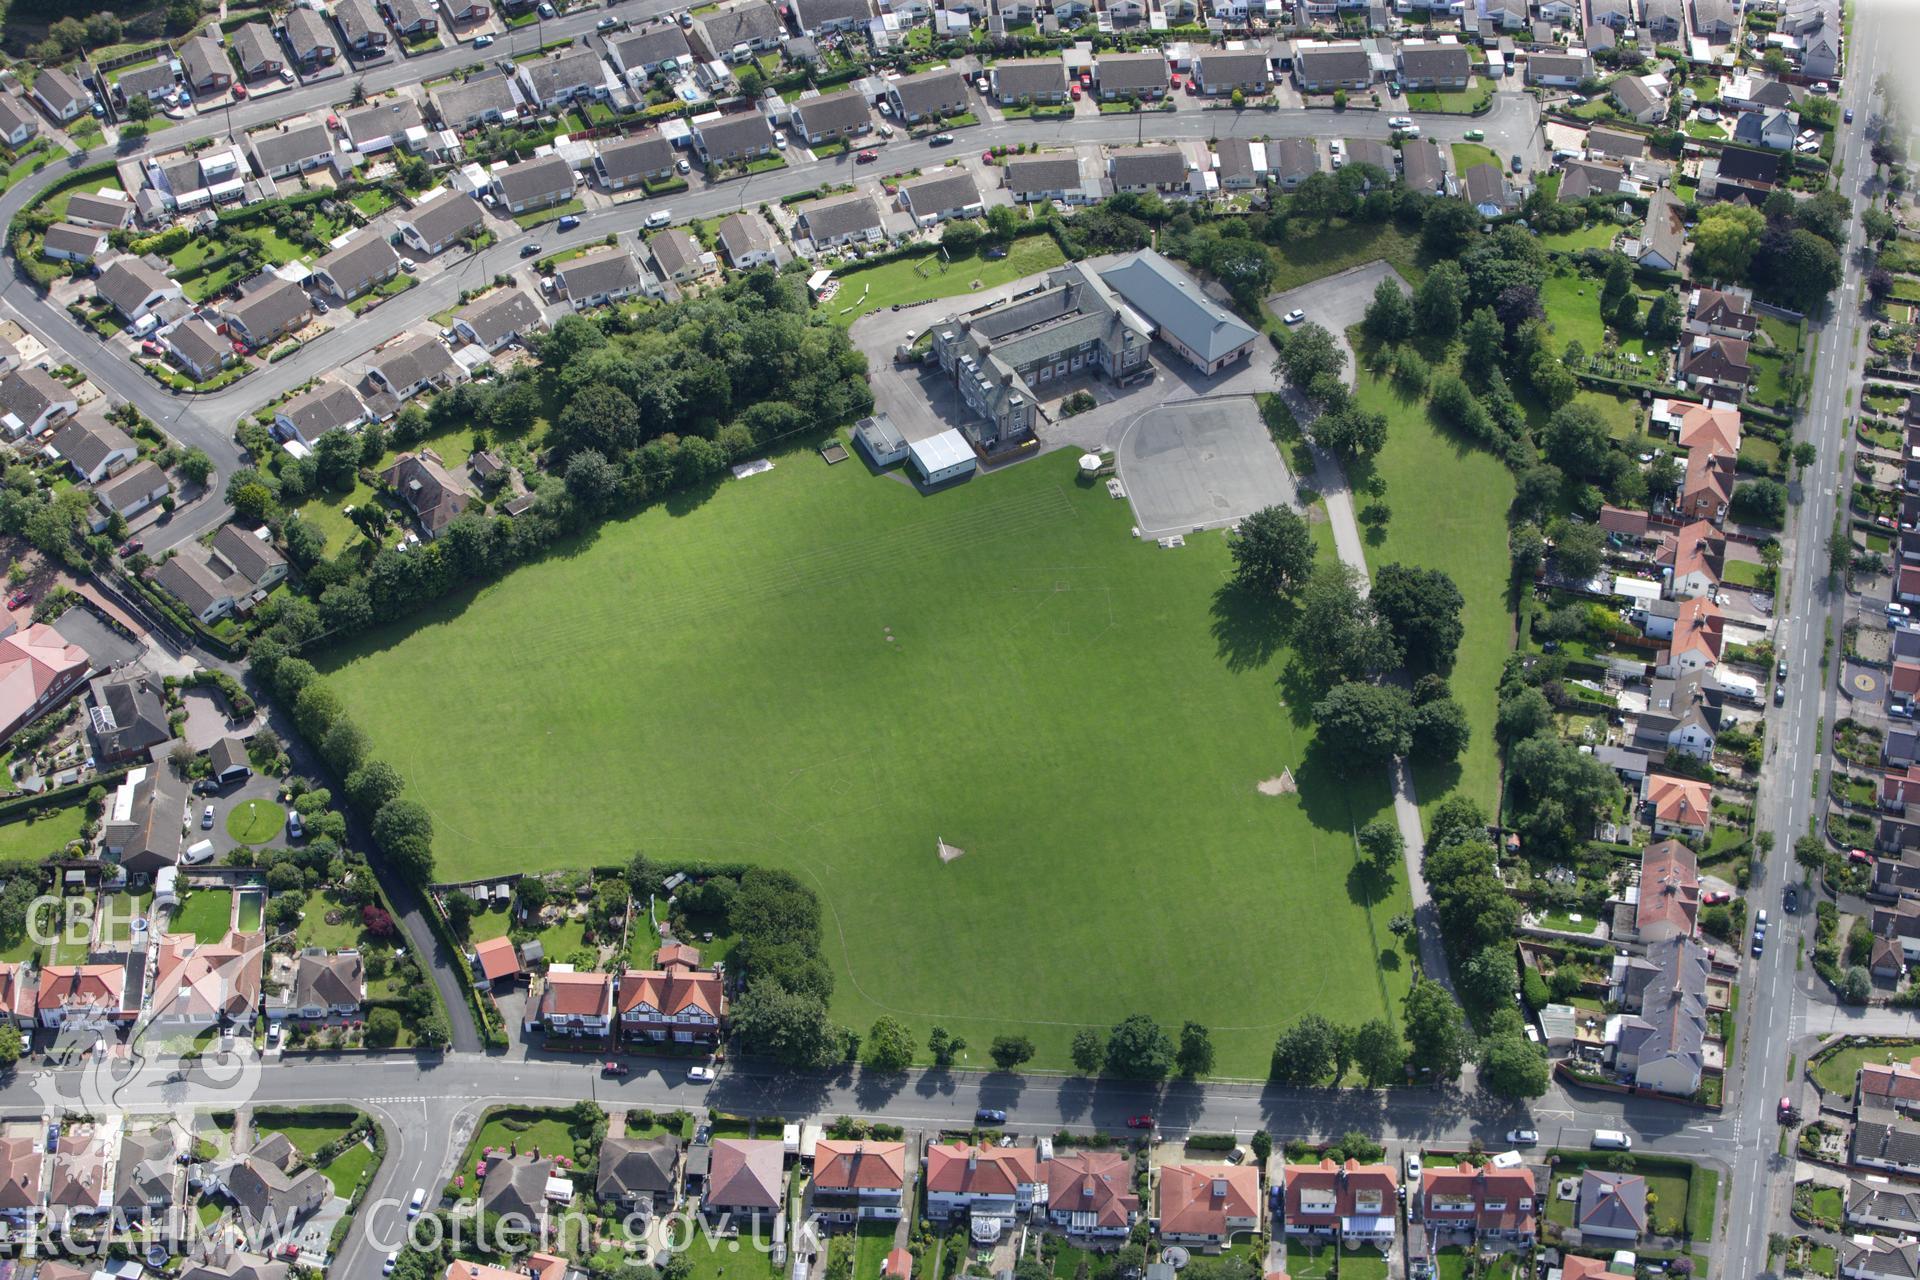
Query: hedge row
{"points": [[59, 797]]}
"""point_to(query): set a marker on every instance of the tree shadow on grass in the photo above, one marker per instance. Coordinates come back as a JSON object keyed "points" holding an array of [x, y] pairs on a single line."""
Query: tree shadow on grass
{"points": [[1369, 883], [1247, 629]]}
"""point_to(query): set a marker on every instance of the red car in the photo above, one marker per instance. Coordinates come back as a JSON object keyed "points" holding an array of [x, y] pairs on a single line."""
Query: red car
{"points": [[613, 1068], [239, 91], [152, 348], [19, 598], [1086, 78], [867, 157], [1175, 82], [1713, 897], [1075, 91], [1192, 89], [1140, 1122], [134, 545]]}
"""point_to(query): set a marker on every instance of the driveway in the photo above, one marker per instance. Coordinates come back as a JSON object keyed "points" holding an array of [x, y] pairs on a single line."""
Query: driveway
{"points": [[105, 647], [1198, 464], [1338, 302]]}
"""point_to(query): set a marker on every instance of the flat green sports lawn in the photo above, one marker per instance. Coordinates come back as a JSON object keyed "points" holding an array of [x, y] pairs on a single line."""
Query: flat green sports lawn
{"points": [[820, 669]]}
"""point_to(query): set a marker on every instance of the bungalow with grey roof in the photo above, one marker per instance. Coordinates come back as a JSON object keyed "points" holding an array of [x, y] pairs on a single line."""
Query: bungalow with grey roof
{"points": [[257, 51], [134, 288], [67, 243], [231, 576], [17, 127], [90, 209], [205, 66], [1141, 169], [1119, 76], [152, 83], [646, 51], [1559, 70], [1582, 178], [1487, 191], [533, 184], [59, 94], [291, 149], [417, 361], [196, 348], [92, 446], [555, 81], [357, 266], [1327, 67], [733, 139], [331, 406], [1637, 101], [126, 495], [1293, 160], [1663, 240], [360, 24], [1715, 19], [481, 99], [434, 495], [1426, 64], [501, 317], [678, 256], [31, 400], [1423, 166], [949, 193], [1034, 80], [736, 32], [608, 276], [928, 95], [1241, 163], [747, 241], [312, 41], [645, 157], [819, 17], [1050, 175], [271, 310], [1221, 71], [832, 116], [411, 18], [381, 126], [435, 225], [839, 220]]}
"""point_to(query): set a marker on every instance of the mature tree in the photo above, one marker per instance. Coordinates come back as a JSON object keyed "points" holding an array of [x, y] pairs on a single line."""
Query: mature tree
{"points": [[345, 747], [1856, 986], [600, 417], [1421, 607], [1389, 316], [1380, 842], [1009, 1052], [571, 336], [1556, 791], [1440, 301], [1446, 227], [1309, 353], [430, 1030], [1810, 852], [404, 831], [1378, 1051], [1436, 1035], [1526, 551], [197, 468], [459, 908], [1088, 1050], [1577, 548], [889, 1045], [1139, 1048], [1489, 977], [1798, 267], [1524, 712], [1303, 1053], [1762, 501], [1485, 341], [1340, 635], [1578, 441], [373, 784], [1273, 551], [1350, 432], [1195, 1055], [591, 479], [1363, 726], [383, 1028], [945, 1047], [1441, 730], [1724, 241], [791, 1029], [1512, 1066]]}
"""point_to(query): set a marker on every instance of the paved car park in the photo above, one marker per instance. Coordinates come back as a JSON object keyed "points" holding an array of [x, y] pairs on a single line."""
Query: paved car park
{"points": [[1200, 464], [1337, 303]]}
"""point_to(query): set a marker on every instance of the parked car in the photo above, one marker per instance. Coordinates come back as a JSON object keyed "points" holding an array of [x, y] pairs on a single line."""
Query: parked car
{"points": [[937, 140], [1522, 1137], [1140, 1122], [151, 348], [989, 1115], [206, 818], [1474, 135], [408, 264], [393, 1260], [321, 306], [1897, 610], [658, 218], [240, 91], [606, 24], [1780, 670], [417, 1203], [867, 157], [1517, 164], [779, 139], [613, 1068], [1786, 1111], [1713, 897], [530, 249], [1847, 115], [568, 222], [286, 75], [296, 826], [1074, 91], [53, 1139], [132, 546], [700, 1075], [545, 9], [482, 42], [1174, 83], [1294, 316], [683, 166]]}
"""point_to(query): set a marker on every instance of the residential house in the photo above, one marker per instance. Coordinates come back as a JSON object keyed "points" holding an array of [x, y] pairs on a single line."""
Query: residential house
{"points": [[358, 265], [90, 209], [858, 1180], [502, 317], [746, 1177], [21, 1162], [204, 65], [1090, 1194], [1488, 192], [478, 100], [127, 718], [92, 446], [361, 26], [1559, 70], [1879, 1205], [678, 257], [204, 984], [839, 220], [1659, 1043], [1667, 900], [1486, 1203], [1580, 179], [1663, 241], [1820, 51], [1885, 1139], [735, 33], [1219, 72], [60, 95], [257, 52], [1637, 100], [405, 368], [134, 288], [928, 95], [1353, 1203], [434, 495], [1241, 164], [291, 149], [1716, 20], [966, 1182], [534, 184], [39, 670], [948, 193], [555, 81], [331, 406], [1424, 166], [86, 994], [496, 960], [516, 1188], [1721, 313], [1775, 130], [1679, 806], [196, 348], [382, 126], [822, 17], [325, 985], [1612, 1206], [733, 139], [66, 242], [573, 1005], [1693, 560], [233, 575], [1207, 1204], [1715, 363], [1326, 68], [1739, 174], [1121, 76], [1050, 176], [268, 312], [832, 116], [610, 275], [1037, 81], [273, 1190], [642, 158], [748, 242], [650, 49], [312, 41], [672, 1002], [17, 126], [227, 761], [436, 225], [1142, 169], [1681, 718], [411, 18], [126, 495], [639, 1175], [77, 1181], [1427, 64], [1878, 1258]]}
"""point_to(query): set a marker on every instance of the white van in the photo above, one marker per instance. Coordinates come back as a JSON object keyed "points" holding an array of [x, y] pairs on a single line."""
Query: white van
{"points": [[419, 1200], [658, 218], [1611, 1140], [1509, 1160]]}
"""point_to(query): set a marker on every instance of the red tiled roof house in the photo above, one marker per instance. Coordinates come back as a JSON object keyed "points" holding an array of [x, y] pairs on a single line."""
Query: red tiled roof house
{"points": [[858, 1180], [982, 1182], [1207, 1204], [1353, 1202], [573, 1005], [1090, 1194], [1485, 1203]]}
